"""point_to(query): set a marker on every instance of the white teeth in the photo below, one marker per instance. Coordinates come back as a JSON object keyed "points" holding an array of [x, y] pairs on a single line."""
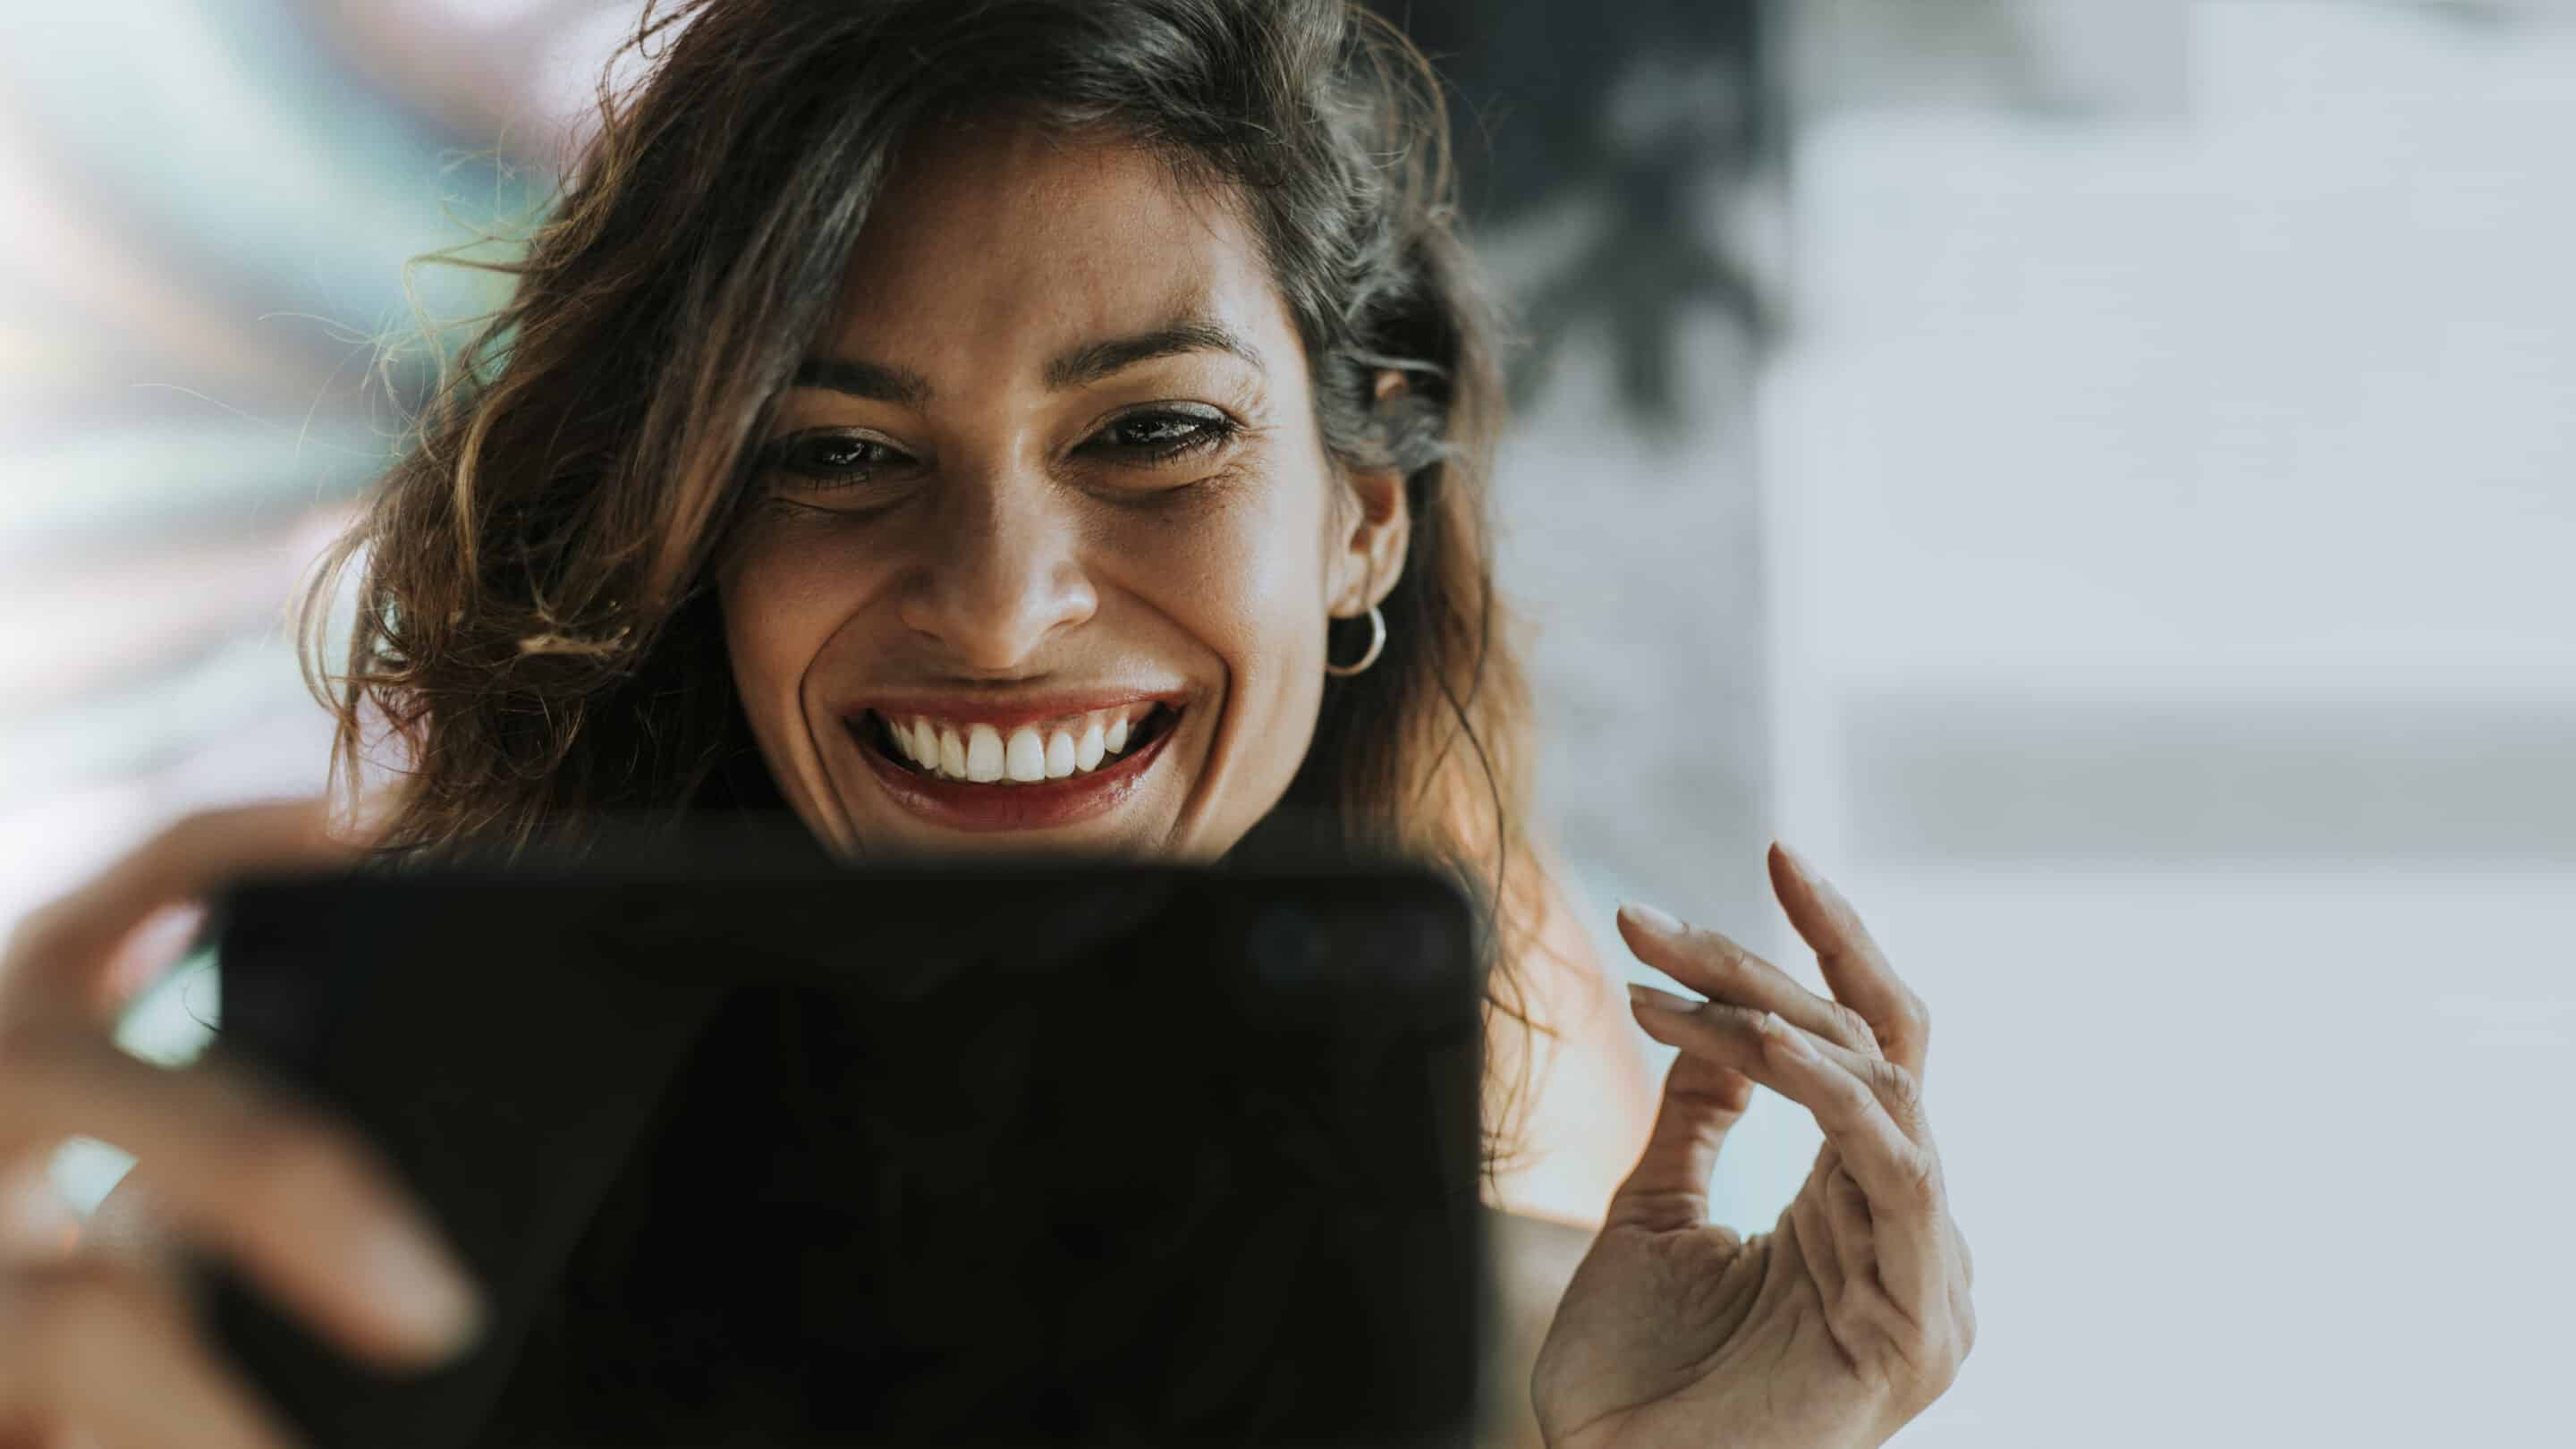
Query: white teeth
{"points": [[1025, 757], [983, 754]]}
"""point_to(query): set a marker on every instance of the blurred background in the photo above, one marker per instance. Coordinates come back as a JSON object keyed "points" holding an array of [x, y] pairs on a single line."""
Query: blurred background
{"points": [[2096, 475]]}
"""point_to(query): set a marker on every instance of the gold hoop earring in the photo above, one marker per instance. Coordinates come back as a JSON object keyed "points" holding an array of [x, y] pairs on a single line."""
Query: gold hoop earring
{"points": [[1377, 641]]}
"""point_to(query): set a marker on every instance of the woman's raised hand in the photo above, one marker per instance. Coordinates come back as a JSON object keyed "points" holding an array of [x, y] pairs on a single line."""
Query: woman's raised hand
{"points": [[1852, 1314], [99, 1344]]}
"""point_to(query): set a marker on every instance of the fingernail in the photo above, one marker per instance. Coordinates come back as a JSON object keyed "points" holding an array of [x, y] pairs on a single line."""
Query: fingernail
{"points": [[1807, 872], [1654, 1000], [1652, 919], [423, 1288], [1796, 861]]}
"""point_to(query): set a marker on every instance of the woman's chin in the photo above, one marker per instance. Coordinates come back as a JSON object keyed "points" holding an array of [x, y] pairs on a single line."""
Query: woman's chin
{"points": [[883, 838]]}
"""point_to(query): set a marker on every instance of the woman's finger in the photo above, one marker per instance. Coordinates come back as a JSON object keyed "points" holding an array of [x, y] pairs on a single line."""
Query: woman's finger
{"points": [[1733, 1036], [304, 1205], [150, 950], [1819, 1246], [58, 963], [1909, 1217], [36, 1225], [1709, 962], [1668, 1188], [1853, 965], [1847, 1208], [104, 1350], [1877, 1140]]}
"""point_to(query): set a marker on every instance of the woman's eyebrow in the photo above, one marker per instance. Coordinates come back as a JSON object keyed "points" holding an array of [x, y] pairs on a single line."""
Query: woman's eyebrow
{"points": [[1083, 365], [858, 377], [1093, 361]]}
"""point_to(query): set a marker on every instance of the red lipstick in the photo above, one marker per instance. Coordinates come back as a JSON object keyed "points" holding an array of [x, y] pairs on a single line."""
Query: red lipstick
{"points": [[1003, 712]]}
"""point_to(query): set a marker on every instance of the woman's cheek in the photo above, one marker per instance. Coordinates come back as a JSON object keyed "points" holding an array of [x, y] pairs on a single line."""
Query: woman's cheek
{"points": [[1241, 570], [781, 595], [1244, 577]]}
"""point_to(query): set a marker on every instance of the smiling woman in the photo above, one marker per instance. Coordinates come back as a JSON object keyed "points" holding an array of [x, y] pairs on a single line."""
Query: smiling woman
{"points": [[900, 393], [1073, 487], [968, 427]]}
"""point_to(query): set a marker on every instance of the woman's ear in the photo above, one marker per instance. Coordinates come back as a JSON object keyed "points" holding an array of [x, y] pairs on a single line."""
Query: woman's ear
{"points": [[1371, 556]]}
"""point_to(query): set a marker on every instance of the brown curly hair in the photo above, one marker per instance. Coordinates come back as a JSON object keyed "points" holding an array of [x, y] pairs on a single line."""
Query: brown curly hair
{"points": [[536, 630]]}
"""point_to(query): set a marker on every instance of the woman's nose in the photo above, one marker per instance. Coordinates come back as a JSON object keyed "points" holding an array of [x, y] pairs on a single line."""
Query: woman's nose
{"points": [[1002, 575]]}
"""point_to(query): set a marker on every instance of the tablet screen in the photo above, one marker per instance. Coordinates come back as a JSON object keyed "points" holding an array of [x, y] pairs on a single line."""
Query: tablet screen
{"points": [[1029, 1156]]}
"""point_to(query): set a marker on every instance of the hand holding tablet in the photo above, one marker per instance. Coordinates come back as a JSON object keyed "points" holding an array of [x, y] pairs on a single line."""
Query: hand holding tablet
{"points": [[102, 1343]]}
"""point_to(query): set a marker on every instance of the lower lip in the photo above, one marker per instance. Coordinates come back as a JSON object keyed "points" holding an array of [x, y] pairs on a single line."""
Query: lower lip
{"points": [[964, 805]]}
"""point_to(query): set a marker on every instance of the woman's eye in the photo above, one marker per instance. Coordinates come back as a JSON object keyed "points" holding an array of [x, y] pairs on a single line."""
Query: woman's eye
{"points": [[1149, 439], [1156, 437], [833, 458]]}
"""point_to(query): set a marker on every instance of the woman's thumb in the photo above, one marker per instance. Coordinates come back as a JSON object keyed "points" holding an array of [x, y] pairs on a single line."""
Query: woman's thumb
{"points": [[1668, 1188]]}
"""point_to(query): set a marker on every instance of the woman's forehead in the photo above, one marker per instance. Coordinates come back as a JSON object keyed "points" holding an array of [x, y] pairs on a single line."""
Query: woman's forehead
{"points": [[1018, 247]]}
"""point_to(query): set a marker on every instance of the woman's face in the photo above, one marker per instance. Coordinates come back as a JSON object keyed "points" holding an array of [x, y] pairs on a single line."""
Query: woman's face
{"points": [[1049, 538]]}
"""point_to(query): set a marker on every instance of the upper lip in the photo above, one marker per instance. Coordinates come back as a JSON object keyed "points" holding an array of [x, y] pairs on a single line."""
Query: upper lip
{"points": [[1011, 709]]}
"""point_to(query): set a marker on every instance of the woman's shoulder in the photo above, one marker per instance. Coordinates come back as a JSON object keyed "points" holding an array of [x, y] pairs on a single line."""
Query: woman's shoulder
{"points": [[1574, 1091], [1533, 1259]]}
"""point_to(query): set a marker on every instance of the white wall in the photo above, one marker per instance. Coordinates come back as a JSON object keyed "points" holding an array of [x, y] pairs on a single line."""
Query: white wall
{"points": [[2172, 519]]}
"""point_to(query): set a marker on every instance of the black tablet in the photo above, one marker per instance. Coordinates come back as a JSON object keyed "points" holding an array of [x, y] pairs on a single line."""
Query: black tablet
{"points": [[786, 1154]]}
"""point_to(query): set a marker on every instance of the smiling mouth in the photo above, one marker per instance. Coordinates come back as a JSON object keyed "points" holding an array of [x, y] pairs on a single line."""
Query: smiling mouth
{"points": [[1024, 756], [1029, 783]]}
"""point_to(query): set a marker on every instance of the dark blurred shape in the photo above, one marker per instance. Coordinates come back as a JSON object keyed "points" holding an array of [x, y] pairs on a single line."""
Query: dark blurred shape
{"points": [[1033, 1154], [1645, 110]]}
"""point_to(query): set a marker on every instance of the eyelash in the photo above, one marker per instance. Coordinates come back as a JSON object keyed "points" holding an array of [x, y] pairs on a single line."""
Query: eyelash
{"points": [[1208, 431]]}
